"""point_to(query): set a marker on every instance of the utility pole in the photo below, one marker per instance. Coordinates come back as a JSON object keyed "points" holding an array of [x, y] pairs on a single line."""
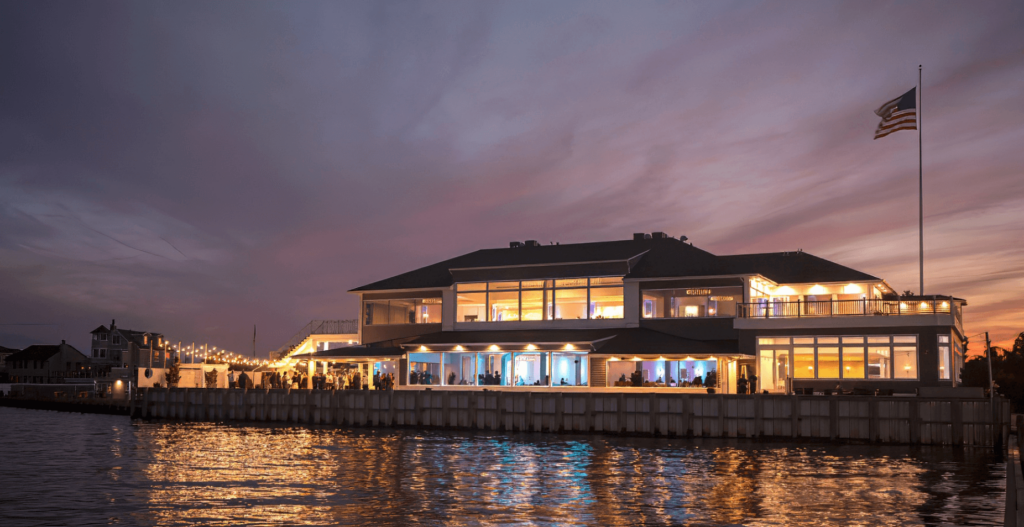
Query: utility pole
{"points": [[991, 381]]}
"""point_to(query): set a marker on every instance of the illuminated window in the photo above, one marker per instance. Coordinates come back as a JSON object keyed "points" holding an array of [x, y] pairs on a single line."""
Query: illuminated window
{"points": [[402, 311], [828, 363], [879, 358], [858, 357], [853, 362], [471, 307], [606, 302], [535, 300], [503, 305], [945, 360], [803, 363], [570, 303], [693, 302], [533, 305], [905, 362]]}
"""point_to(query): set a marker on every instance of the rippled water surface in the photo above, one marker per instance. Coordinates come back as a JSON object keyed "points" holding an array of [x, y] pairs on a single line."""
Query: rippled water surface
{"points": [[72, 469]]}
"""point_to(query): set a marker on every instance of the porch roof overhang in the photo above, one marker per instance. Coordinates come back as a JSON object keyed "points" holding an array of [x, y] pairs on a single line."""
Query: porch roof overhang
{"points": [[354, 353], [611, 341]]}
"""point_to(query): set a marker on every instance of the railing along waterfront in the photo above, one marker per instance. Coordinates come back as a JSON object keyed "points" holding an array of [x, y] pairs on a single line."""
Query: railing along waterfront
{"points": [[905, 420], [845, 308]]}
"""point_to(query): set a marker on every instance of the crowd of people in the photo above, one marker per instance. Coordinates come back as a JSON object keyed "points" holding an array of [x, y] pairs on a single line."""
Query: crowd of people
{"points": [[331, 380], [637, 379]]}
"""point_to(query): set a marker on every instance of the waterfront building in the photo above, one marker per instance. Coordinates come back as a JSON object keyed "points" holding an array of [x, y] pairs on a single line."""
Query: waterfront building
{"points": [[41, 363], [4, 353], [116, 347], [652, 311]]}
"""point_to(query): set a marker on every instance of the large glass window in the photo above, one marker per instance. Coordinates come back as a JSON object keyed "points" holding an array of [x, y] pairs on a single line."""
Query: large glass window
{"points": [[945, 354], [425, 368], [857, 357], [570, 304], [606, 302], [503, 305], [459, 369], [879, 359], [828, 362], [532, 300], [689, 303], [470, 306], [533, 304], [402, 311], [905, 362], [803, 363], [853, 362], [569, 369]]}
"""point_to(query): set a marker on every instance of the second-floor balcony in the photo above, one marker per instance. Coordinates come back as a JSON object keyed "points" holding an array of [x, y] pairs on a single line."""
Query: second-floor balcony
{"points": [[931, 305]]}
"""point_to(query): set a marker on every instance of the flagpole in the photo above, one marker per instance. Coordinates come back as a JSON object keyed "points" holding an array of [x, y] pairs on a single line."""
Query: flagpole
{"points": [[920, 177]]}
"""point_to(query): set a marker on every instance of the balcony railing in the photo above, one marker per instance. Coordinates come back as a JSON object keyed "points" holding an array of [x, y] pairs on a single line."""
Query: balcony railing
{"points": [[848, 308]]}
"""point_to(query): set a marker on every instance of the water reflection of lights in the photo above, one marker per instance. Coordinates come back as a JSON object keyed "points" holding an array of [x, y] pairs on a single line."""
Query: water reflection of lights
{"points": [[209, 474]]}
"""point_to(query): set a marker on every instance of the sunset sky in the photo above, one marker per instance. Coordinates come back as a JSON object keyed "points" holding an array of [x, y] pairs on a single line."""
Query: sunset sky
{"points": [[195, 168]]}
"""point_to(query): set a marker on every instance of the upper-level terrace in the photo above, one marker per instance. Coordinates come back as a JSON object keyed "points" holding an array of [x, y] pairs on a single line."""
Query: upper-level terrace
{"points": [[933, 310]]}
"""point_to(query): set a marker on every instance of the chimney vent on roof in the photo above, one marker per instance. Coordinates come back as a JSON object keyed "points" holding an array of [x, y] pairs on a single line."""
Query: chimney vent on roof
{"points": [[513, 245], [683, 238], [659, 235], [62, 342], [532, 243]]}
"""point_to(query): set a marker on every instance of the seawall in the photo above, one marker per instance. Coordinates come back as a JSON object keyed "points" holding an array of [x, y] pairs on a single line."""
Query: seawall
{"points": [[894, 420]]}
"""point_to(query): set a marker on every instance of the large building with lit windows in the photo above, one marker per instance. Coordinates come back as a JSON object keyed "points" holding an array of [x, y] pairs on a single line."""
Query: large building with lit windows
{"points": [[652, 311]]}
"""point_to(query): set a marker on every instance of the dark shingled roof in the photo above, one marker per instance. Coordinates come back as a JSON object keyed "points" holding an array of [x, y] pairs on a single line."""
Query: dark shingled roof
{"points": [[39, 352], [650, 258], [793, 267]]}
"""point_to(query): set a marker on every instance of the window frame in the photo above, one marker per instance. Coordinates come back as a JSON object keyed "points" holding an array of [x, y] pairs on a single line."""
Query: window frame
{"points": [[789, 343], [549, 299], [365, 303]]}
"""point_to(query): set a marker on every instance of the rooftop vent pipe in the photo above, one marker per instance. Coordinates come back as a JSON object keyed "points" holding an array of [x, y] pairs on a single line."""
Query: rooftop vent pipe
{"points": [[532, 243], [659, 235], [513, 245]]}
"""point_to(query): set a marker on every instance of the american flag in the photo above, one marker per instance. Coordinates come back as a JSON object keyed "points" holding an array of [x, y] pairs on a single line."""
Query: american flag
{"points": [[898, 114]]}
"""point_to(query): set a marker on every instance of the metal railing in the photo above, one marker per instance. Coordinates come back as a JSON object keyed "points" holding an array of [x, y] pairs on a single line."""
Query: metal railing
{"points": [[319, 327], [845, 308]]}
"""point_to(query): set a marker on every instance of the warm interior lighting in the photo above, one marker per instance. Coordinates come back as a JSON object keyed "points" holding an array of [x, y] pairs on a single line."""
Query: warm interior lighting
{"points": [[903, 305], [924, 305], [817, 289], [570, 347], [785, 291], [852, 289], [423, 348], [945, 304], [531, 347], [494, 347], [613, 359], [459, 348]]}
